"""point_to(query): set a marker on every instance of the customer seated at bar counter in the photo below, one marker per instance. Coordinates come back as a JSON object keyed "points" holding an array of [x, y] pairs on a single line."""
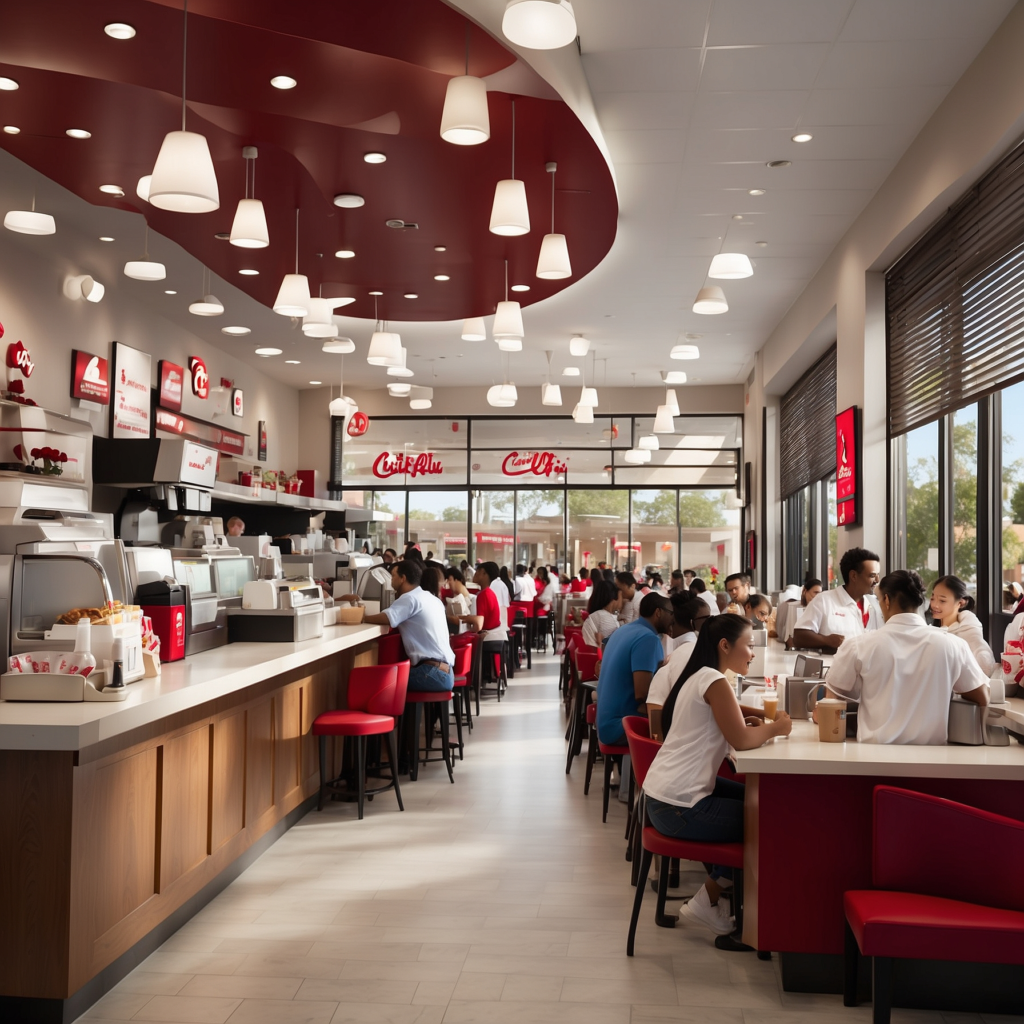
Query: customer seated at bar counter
{"points": [[849, 610], [685, 797], [905, 673], [757, 609], [690, 613], [952, 609]]}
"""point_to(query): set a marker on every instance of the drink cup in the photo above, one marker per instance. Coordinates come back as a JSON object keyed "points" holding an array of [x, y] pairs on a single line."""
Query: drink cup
{"points": [[831, 720], [1012, 662], [771, 704]]}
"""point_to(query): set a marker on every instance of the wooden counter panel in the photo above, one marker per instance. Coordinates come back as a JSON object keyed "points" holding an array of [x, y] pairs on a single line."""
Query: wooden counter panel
{"points": [[184, 804], [287, 730], [259, 761], [227, 779]]}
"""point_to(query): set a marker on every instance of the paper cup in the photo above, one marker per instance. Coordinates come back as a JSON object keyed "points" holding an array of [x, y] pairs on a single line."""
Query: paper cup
{"points": [[831, 720], [1012, 668]]}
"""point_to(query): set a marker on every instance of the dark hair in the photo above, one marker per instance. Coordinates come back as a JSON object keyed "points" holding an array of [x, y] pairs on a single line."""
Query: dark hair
{"points": [[391, 551], [543, 575], [705, 655], [451, 573], [627, 579], [655, 576], [686, 607], [697, 585], [811, 581], [754, 601], [491, 568], [741, 576], [430, 580], [411, 569], [601, 596], [652, 603], [958, 589], [853, 559], [692, 572], [504, 577], [608, 575], [414, 554], [677, 574], [520, 569], [584, 573], [905, 587]]}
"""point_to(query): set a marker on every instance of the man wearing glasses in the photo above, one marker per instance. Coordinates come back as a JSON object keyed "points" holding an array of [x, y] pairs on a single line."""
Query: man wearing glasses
{"points": [[849, 610]]}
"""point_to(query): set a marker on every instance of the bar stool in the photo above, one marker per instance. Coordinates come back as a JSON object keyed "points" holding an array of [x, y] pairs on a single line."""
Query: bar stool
{"points": [[417, 698], [583, 680], [543, 626], [526, 628], [460, 692], [376, 696]]}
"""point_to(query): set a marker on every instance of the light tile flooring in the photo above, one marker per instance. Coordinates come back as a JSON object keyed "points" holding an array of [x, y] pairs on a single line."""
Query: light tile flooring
{"points": [[501, 898]]}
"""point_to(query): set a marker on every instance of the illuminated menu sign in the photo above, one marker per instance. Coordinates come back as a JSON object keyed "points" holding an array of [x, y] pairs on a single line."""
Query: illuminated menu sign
{"points": [[847, 466]]}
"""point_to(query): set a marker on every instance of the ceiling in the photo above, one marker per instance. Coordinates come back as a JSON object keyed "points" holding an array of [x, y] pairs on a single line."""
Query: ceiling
{"points": [[694, 98]]}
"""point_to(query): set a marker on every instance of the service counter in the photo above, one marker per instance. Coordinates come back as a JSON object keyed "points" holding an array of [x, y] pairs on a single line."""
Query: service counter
{"points": [[808, 821], [121, 820]]}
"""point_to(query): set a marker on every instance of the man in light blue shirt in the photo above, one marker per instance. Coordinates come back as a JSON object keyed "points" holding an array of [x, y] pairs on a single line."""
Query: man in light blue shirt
{"points": [[421, 620]]}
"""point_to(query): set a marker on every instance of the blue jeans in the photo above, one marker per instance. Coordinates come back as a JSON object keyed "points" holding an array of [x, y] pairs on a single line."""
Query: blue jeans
{"points": [[717, 818], [430, 677]]}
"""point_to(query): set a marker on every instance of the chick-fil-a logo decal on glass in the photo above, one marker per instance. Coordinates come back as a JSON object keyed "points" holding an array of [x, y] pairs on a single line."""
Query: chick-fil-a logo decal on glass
{"points": [[532, 463], [395, 464]]}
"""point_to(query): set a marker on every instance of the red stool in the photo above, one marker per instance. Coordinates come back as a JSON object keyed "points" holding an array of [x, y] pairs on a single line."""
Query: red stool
{"points": [[526, 608], [460, 693], [376, 697], [390, 650], [417, 698]]}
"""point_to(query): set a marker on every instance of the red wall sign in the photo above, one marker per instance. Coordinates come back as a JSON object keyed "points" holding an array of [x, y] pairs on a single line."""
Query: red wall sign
{"points": [[847, 468], [494, 538], [228, 441], [846, 512], [172, 380], [18, 358], [393, 464], [200, 377], [237, 402], [90, 379], [358, 424], [532, 463]]}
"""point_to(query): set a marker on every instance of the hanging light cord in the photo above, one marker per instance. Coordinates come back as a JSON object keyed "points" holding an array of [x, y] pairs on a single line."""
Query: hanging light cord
{"points": [[296, 241], [552, 202], [513, 140], [506, 280], [184, 59], [467, 48]]}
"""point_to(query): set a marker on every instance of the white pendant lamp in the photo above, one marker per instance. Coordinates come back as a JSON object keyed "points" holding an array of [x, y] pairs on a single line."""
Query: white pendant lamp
{"points": [[583, 413], [663, 423], [399, 389], [671, 402], [730, 266], [465, 120], [145, 269], [474, 329], [637, 456], [293, 296], [684, 352], [30, 222], [510, 213], [673, 377], [249, 228], [553, 263], [578, 346], [338, 346], [649, 442], [143, 186], [402, 370], [539, 24], [317, 323], [508, 321], [510, 344], [385, 346], [420, 398], [588, 396], [497, 397], [550, 394], [710, 300], [342, 405], [209, 304]]}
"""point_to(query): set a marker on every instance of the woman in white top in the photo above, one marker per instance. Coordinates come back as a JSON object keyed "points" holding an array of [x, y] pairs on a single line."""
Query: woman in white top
{"points": [[953, 609], [546, 588], [602, 613], [690, 615], [702, 719]]}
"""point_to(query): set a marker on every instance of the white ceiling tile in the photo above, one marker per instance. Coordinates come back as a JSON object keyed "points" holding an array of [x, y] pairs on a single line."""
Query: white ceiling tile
{"points": [[645, 110], [648, 70], [894, 63], [646, 147], [925, 19], [605, 24], [907, 105], [883, 142], [794, 66], [776, 21], [743, 109]]}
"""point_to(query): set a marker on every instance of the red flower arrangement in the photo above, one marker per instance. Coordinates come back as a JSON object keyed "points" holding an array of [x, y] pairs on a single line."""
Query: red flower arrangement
{"points": [[53, 460]]}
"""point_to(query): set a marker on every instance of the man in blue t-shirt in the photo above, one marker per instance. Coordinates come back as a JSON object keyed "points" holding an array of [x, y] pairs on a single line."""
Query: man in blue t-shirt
{"points": [[631, 657]]}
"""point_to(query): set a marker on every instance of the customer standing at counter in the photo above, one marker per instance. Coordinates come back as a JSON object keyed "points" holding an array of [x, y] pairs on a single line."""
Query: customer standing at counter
{"points": [[952, 608], [420, 618], [847, 611], [905, 673], [699, 587], [686, 799]]}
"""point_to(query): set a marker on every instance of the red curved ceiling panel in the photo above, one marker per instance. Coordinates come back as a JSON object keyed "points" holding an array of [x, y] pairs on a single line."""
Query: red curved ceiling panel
{"points": [[386, 62]]}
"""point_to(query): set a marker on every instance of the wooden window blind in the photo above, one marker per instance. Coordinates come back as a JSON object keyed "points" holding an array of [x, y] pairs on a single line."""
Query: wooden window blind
{"points": [[807, 427], [955, 304]]}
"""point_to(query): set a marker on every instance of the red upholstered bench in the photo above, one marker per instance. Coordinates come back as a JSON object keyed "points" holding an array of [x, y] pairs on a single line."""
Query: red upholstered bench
{"points": [[931, 901]]}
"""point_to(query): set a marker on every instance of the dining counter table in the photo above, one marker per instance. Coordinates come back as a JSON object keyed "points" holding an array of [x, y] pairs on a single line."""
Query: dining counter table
{"points": [[808, 834]]}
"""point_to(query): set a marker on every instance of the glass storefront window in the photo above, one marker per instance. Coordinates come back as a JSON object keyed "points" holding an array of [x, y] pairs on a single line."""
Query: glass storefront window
{"points": [[437, 522], [655, 533], [540, 536], [494, 521], [1013, 483], [965, 495], [710, 532], [598, 523], [922, 501], [833, 536]]}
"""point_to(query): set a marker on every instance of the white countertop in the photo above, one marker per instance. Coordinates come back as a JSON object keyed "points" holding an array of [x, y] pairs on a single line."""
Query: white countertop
{"points": [[182, 685]]}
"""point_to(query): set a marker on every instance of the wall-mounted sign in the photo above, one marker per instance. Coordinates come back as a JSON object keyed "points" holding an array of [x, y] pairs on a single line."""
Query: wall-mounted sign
{"points": [[230, 442], [494, 538], [172, 381], [200, 377], [18, 358], [89, 379], [412, 465], [130, 408], [198, 466], [847, 465], [237, 402], [358, 424], [263, 441], [532, 464]]}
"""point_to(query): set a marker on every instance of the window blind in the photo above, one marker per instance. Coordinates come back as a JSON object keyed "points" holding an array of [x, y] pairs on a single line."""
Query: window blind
{"points": [[955, 304], [807, 427]]}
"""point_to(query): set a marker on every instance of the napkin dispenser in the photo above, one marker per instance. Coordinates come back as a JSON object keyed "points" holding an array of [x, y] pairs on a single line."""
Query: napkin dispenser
{"points": [[971, 725], [794, 699]]}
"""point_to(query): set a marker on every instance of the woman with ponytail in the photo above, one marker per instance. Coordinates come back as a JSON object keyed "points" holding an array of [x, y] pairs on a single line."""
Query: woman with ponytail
{"points": [[701, 720]]}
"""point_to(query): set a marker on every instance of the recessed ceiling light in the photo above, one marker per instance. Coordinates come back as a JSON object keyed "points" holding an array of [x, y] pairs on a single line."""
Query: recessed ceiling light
{"points": [[11, 129], [376, 293], [440, 248], [348, 200], [265, 352], [238, 331], [755, 192], [520, 287], [779, 163], [119, 30], [222, 236], [374, 158], [8, 84], [283, 82], [316, 382], [345, 254], [170, 291], [803, 137], [761, 244], [78, 133], [293, 362], [411, 295], [249, 272], [112, 190], [106, 238], [441, 277]]}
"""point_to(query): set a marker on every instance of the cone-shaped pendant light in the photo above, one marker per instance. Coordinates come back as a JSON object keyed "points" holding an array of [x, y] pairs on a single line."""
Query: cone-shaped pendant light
{"points": [[385, 346], [249, 228], [553, 263], [293, 296], [474, 329], [465, 120], [510, 213]]}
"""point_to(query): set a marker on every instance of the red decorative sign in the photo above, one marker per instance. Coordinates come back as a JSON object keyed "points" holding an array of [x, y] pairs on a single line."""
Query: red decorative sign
{"points": [[90, 380], [846, 512], [358, 424], [228, 441], [237, 400], [18, 358], [532, 463], [172, 380], [200, 377], [847, 470], [494, 538], [387, 464]]}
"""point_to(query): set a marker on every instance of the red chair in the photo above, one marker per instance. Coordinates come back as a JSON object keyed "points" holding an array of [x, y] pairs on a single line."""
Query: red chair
{"points": [[929, 901], [543, 626], [474, 641], [390, 650], [376, 697], [642, 750], [417, 698], [526, 609], [460, 693]]}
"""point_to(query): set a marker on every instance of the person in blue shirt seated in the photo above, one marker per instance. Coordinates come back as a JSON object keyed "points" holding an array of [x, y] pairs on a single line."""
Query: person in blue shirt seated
{"points": [[420, 618], [632, 655]]}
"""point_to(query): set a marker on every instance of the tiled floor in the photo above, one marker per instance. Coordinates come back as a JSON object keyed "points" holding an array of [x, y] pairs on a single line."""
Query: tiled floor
{"points": [[501, 898]]}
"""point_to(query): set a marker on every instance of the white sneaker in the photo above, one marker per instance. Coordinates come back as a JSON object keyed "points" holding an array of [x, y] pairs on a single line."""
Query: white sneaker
{"points": [[699, 910]]}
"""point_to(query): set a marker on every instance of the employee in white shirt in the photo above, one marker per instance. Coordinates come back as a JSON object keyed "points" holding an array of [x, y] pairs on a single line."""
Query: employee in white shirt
{"points": [[523, 586], [699, 587], [905, 673], [849, 610]]}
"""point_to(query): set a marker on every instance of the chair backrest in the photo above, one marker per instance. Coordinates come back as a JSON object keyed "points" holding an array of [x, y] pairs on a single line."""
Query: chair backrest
{"points": [[526, 607], [586, 662], [390, 649], [463, 660], [401, 687], [642, 749], [937, 847], [371, 688]]}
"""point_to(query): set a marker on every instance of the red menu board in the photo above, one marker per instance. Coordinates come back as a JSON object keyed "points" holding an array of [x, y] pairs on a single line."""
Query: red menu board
{"points": [[847, 466], [172, 377], [89, 378]]}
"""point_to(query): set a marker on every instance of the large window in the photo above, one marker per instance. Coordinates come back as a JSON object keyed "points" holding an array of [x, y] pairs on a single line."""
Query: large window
{"points": [[494, 523], [540, 527], [437, 522], [965, 495], [655, 534], [920, 453], [598, 525], [1012, 505]]}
